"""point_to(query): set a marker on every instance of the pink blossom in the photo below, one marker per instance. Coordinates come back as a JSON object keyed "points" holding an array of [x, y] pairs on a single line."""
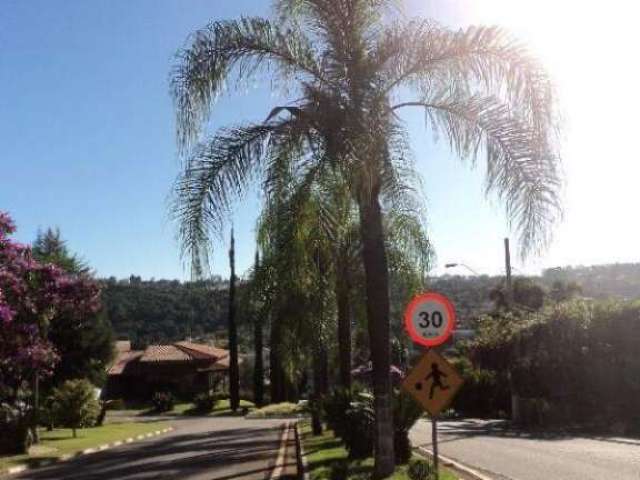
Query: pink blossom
{"points": [[31, 294]]}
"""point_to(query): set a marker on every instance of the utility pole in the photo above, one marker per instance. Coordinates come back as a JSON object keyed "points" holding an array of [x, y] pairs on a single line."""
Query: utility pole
{"points": [[234, 380]]}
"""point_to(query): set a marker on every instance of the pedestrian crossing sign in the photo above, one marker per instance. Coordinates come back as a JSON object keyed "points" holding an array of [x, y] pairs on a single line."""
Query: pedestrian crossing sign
{"points": [[432, 382]]}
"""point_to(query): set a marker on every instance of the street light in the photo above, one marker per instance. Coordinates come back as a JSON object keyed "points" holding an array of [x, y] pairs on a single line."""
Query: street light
{"points": [[452, 265]]}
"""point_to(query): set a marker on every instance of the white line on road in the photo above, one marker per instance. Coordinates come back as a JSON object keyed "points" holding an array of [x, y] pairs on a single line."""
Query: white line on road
{"points": [[279, 466]]}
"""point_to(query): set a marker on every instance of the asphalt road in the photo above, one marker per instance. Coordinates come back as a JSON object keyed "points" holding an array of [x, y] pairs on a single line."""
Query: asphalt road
{"points": [[502, 453], [199, 448]]}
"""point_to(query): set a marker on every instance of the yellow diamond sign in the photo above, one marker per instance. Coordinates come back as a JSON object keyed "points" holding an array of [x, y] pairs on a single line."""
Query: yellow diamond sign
{"points": [[433, 382]]}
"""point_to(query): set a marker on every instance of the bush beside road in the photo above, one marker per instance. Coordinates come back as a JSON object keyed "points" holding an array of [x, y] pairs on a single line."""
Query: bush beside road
{"points": [[327, 458]]}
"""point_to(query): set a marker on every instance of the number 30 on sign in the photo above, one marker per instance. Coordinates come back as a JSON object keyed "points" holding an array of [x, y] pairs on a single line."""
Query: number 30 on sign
{"points": [[430, 319]]}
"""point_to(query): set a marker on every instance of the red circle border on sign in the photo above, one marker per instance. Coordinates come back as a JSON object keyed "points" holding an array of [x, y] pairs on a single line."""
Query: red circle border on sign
{"points": [[408, 314]]}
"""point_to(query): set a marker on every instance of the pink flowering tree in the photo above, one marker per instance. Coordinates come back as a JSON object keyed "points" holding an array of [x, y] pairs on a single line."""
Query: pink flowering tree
{"points": [[31, 295]]}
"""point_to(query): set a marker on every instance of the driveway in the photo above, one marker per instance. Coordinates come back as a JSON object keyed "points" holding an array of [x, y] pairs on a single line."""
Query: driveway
{"points": [[199, 448], [492, 448]]}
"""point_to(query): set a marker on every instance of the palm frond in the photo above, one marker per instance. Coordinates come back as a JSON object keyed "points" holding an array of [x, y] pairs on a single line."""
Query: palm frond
{"points": [[521, 166], [217, 173], [223, 48], [480, 60]]}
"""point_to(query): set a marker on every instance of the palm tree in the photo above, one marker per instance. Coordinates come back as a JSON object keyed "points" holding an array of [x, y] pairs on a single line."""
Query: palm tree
{"points": [[350, 67]]}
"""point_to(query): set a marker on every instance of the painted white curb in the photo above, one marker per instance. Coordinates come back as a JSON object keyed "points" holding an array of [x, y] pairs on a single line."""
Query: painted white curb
{"points": [[282, 451], [87, 451]]}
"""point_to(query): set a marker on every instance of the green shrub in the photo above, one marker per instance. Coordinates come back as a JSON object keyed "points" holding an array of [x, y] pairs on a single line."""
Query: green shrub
{"points": [[162, 402], [335, 406], [359, 437], [75, 404], [420, 469], [406, 413], [484, 393], [205, 402], [16, 436], [340, 470]]}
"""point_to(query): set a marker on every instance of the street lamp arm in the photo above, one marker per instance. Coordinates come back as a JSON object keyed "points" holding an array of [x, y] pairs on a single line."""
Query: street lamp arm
{"points": [[451, 265]]}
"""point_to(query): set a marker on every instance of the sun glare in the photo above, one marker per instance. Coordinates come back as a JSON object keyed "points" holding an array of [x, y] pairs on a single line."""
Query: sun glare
{"points": [[590, 50]]}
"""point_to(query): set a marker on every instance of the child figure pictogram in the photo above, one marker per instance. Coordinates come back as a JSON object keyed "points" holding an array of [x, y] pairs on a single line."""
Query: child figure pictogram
{"points": [[436, 375]]}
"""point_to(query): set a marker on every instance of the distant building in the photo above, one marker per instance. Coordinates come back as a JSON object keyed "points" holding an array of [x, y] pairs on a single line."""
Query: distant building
{"points": [[183, 368]]}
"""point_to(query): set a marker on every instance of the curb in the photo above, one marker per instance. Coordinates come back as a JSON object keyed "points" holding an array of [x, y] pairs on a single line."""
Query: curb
{"points": [[87, 451], [282, 467], [303, 464], [452, 464]]}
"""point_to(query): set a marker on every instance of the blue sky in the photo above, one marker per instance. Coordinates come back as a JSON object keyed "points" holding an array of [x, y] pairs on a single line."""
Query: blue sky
{"points": [[87, 134]]}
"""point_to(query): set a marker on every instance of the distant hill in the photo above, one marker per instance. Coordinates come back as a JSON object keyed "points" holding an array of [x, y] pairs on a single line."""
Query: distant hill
{"points": [[161, 311], [470, 294], [620, 280]]}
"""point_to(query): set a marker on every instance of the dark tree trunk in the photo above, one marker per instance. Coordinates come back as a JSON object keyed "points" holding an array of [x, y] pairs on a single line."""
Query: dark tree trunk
{"points": [[234, 378], [276, 376], [258, 370], [344, 327], [316, 423], [258, 367], [377, 291]]}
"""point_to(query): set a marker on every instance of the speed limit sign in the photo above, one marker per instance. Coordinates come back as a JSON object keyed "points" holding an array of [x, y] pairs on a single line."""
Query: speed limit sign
{"points": [[430, 319]]}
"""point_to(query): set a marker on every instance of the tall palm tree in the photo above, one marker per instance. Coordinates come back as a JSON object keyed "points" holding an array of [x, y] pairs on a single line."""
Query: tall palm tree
{"points": [[350, 67]]}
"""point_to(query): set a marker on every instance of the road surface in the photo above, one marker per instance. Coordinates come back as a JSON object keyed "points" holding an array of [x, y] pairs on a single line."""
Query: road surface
{"points": [[222, 448], [505, 454]]}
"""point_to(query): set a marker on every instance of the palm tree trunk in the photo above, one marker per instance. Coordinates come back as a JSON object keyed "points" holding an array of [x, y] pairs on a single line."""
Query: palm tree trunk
{"points": [[377, 291], [344, 328], [234, 377]]}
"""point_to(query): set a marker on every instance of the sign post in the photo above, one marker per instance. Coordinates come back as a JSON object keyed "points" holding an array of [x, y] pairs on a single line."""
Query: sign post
{"points": [[434, 442], [429, 320]]}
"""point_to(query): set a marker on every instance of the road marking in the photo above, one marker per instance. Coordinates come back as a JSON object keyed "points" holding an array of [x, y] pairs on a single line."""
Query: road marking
{"points": [[279, 466], [87, 451], [117, 444]]}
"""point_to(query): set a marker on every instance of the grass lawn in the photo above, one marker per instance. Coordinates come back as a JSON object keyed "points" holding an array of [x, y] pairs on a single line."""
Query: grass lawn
{"points": [[284, 409], [326, 451], [221, 409], [60, 441], [185, 408]]}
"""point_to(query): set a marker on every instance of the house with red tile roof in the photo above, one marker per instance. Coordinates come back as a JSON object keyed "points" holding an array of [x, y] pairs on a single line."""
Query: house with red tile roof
{"points": [[183, 368]]}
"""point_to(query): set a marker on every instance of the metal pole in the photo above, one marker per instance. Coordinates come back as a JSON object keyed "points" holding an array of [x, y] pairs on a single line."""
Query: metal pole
{"points": [[434, 440]]}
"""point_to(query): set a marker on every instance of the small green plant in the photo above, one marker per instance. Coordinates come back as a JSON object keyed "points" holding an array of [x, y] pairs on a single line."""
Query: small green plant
{"points": [[406, 413], [205, 402], [340, 470], [162, 402], [335, 407], [75, 405], [420, 469], [359, 437], [16, 436]]}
